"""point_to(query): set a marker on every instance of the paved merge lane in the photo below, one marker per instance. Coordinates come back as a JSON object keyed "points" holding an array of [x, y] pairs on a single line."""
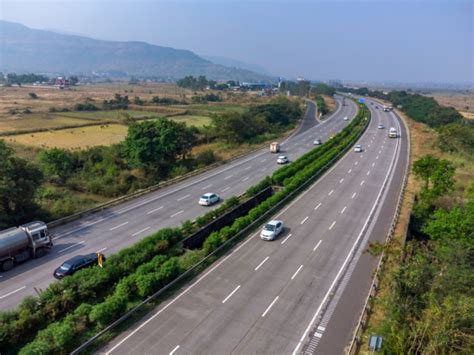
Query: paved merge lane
{"points": [[265, 296], [115, 228]]}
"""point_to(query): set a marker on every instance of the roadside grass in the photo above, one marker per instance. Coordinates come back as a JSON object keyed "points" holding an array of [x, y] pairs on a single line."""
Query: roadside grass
{"points": [[468, 115], [423, 142], [106, 114], [330, 102]]}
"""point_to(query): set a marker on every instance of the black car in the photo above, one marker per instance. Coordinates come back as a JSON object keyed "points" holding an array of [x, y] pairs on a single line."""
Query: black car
{"points": [[76, 263]]}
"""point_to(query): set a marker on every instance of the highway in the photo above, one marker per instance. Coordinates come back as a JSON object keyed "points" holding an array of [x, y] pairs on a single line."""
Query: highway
{"points": [[268, 297], [117, 227]]}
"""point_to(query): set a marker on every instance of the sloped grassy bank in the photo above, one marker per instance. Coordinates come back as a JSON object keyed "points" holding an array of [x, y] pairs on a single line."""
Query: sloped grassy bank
{"points": [[69, 312]]}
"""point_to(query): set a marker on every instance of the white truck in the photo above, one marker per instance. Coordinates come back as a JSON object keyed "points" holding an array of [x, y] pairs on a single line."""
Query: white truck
{"points": [[274, 147], [28, 241], [392, 133]]}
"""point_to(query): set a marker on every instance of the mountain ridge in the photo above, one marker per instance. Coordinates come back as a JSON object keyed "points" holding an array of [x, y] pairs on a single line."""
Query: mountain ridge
{"points": [[24, 49]]}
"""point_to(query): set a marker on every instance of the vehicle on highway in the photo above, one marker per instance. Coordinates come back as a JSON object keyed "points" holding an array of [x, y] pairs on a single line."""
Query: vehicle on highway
{"points": [[28, 241], [380, 126], [392, 133], [282, 159], [271, 230], [346, 118], [358, 148], [317, 142], [209, 199], [274, 147], [376, 107], [77, 263]]}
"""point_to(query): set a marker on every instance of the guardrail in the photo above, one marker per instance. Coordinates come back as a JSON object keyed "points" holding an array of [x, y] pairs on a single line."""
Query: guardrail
{"points": [[354, 346], [193, 271]]}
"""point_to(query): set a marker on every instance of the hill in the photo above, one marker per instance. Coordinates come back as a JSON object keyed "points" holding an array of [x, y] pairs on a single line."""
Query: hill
{"points": [[29, 50]]}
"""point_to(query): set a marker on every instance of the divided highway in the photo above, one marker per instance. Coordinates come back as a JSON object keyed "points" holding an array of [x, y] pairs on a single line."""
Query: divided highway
{"points": [[267, 297], [117, 227]]}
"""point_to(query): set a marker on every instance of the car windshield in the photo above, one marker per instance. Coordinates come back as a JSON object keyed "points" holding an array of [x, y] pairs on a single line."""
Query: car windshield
{"points": [[65, 267], [269, 227], [205, 197]]}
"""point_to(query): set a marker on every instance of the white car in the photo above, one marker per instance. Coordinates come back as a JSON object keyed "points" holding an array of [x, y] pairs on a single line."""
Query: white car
{"points": [[271, 230], [209, 199], [358, 148], [346, 118], [282, 159], [380, 126], [317, 142]]}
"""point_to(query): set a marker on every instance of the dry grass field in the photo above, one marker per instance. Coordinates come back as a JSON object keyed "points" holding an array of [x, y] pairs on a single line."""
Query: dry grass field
{"points": [[464, 103]]}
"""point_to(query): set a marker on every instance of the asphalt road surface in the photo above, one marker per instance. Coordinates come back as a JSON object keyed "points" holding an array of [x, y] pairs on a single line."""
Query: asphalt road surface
{"points": [[268, 297], [115, 228]]}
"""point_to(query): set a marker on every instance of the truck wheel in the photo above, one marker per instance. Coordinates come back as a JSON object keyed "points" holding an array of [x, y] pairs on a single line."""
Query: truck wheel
{"points": [[8, 265], [40, 252]]}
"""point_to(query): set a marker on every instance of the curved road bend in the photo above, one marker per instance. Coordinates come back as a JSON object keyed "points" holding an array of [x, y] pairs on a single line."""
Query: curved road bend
{"points": [[264, 297], [117, 227]]}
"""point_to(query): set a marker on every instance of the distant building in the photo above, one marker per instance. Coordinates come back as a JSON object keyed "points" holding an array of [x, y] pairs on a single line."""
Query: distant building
{"points": [[61, 82]]}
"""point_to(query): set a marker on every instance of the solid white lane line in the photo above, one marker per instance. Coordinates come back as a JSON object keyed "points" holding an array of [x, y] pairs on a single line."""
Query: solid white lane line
{"points": [[304, 220], [101, 250], [317, 245], [330, 192], [245, 179], [173, 351], [120, 225], [368, 173], [270, 306], [340, 181], [362, 183], [230, 295], [140, 231], [228, 177], [332, 225], [156, 209], [263, 262], [296, 273], [342, 211], [225, 189], [177, 213], [319, 205], [206, 187], [182, 198], [350, 170], [11, 293], [69, 247], [284, 240]]}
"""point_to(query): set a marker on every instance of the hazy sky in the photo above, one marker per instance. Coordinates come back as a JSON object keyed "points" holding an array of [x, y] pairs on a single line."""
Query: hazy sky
{"points": [[404, 41]]}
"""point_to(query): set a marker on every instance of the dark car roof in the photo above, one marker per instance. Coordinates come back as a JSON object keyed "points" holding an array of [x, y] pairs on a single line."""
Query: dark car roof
{"points": [[77, 258]]}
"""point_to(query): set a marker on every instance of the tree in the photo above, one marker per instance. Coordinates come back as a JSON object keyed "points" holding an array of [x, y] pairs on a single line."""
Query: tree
{"points": [[437, 175], [73, 80], [19, 181], [57, 164], [156, 144]]}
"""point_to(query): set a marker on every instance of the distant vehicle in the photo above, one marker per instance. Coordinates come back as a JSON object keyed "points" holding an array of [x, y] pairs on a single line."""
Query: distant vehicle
{"points": [[77, 263], [317, 142], [28, 241], [380, 126], [274, 147], [387, 108], [346, 118], [282, 159], [209, 199], [392, 133], [358, 148], [271, 230], [376, 107]]}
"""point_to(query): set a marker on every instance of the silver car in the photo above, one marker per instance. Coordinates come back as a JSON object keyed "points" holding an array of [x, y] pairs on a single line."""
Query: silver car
{"points": [[271, 230], [209, 199]]}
